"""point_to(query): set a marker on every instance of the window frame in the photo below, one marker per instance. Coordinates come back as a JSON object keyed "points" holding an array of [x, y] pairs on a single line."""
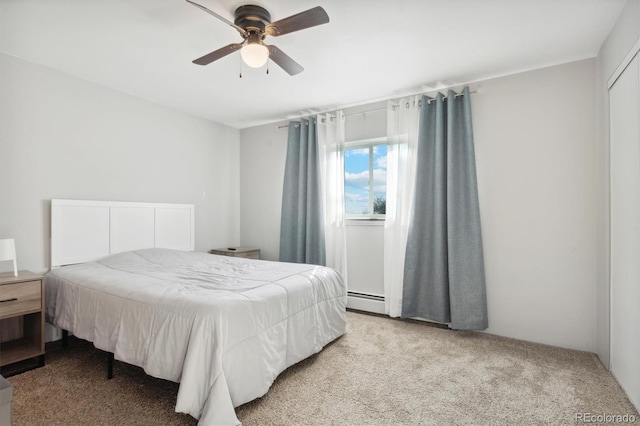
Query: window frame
{"points": [[370, 144]]}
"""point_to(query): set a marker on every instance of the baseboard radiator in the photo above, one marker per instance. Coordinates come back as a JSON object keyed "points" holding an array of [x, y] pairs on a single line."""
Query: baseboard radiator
{"points": [[365, 302]]}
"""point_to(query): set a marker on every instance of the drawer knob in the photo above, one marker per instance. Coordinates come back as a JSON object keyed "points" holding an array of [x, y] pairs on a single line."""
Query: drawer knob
{"points": [[13, 299]]}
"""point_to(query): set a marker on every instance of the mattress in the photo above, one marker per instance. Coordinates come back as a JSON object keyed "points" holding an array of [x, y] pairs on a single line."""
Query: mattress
{"points": [[222, 327]]}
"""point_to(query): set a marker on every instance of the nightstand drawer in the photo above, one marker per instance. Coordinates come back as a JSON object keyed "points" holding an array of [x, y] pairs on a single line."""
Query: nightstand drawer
{"points": [[20, 297]]}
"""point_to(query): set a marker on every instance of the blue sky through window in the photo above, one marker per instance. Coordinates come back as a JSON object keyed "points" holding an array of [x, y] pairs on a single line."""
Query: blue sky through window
{"points": [[357, 185]]}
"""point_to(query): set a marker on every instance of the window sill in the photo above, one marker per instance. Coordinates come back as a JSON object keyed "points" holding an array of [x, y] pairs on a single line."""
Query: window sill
{"points": [[364, 222]]}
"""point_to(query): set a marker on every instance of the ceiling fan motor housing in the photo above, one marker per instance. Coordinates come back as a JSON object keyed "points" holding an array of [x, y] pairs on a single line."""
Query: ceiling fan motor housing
{"points": [[252, 17]]}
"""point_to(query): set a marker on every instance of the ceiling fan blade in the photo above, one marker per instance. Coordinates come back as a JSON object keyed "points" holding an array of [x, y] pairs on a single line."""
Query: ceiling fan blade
{"points": [[284, 61], [217, 54], [297, 22], [241, 30]]}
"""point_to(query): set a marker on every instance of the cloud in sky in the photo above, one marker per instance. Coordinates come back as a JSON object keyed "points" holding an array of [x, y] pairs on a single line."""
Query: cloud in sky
{"points": [[361, 180], [361, 151], [350, 196], [357, 180]]}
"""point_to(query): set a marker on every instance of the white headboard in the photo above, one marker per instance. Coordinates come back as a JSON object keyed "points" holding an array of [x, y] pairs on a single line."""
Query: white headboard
{"points": [[82, 231]]}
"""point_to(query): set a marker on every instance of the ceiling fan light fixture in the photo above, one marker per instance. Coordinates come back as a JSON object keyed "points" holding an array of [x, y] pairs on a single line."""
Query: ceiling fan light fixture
{"points": [[254, 24], [254, 55]]}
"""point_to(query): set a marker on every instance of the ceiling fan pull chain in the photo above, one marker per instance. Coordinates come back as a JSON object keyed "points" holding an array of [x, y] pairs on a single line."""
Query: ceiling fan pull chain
{"points": [[241, 68], [267, 67]]}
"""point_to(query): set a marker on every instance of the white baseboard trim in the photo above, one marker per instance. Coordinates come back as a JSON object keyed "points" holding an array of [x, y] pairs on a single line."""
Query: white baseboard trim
{"points": [[367, 305]]}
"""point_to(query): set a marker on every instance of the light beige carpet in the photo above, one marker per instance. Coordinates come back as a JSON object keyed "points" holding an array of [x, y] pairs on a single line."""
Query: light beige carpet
{"points": [[382, 372]]}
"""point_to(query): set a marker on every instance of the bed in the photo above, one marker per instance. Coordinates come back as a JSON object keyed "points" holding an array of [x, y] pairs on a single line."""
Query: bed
{"points": [[223, 327]]}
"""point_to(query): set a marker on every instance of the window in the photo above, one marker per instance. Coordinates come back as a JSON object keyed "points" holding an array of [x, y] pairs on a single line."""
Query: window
{"points": [[365, 179]]}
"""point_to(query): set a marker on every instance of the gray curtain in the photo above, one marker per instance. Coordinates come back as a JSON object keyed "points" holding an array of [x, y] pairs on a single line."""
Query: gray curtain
{"points": [[302, 225], [444, 264]]}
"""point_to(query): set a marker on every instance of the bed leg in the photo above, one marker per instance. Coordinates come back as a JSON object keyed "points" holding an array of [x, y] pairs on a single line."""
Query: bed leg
{"points": [[65, 339], [110, 366]]}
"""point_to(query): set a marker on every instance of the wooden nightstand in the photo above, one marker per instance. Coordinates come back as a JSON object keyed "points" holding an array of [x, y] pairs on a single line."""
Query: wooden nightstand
{"points": [[246, 252], [21, 317]]}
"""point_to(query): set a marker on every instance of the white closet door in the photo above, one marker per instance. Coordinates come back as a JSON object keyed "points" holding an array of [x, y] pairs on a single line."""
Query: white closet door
{"points": [[624, 99]]}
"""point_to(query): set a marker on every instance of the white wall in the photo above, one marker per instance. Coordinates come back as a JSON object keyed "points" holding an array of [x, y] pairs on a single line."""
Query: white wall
{"points": [[368, 124], [263, 152], [365, 257], [622, 37], [535, 147], [62, 137], [535, 150]]}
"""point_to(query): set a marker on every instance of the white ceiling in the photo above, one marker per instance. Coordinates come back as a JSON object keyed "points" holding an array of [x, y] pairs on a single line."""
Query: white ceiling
{"points": [[371, 49]]}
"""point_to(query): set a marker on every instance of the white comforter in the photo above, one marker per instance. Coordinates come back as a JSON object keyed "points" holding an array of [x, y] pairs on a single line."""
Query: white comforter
{"points": [[223, 327]]}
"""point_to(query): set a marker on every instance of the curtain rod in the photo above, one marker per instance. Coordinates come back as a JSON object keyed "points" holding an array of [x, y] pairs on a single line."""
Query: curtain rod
{"points": [[473, 92]]}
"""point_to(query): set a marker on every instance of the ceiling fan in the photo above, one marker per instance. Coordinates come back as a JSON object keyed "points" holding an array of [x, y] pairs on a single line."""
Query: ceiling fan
{"points": [[254, 24]]}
